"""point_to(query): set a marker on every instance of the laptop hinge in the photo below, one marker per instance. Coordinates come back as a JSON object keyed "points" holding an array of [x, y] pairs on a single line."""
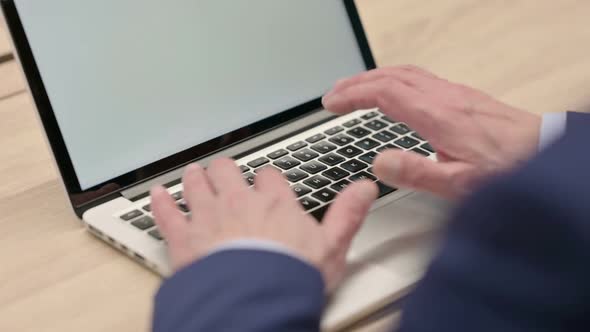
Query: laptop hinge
{"points": [[236, 151]]}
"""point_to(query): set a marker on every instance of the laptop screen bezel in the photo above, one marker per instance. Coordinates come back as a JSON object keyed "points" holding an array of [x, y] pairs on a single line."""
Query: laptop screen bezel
{"points": [[79, 197]]}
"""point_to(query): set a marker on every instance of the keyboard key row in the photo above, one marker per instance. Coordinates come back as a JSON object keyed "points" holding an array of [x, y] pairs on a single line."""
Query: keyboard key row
{"points": [[376, 125], [305, 155], [334, 131], [323, 147], [287, 163], [359, 132], [367, 144], [342, 139], [296, 146]]}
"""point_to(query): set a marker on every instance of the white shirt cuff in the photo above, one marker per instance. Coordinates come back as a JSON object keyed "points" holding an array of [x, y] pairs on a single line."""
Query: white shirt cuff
{"points": [[552, 128]]}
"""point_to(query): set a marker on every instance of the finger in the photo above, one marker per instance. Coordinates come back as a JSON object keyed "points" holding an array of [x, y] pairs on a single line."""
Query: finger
{"points": [[347, 213], [225, 176], [396, 100], [406, 74], [198, 192], [272, 181], [411, 170], [413, 68], [171, 222]]}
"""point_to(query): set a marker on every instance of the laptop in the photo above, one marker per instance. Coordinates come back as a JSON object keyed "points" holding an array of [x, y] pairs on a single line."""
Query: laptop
{"points": [[130, 92]]}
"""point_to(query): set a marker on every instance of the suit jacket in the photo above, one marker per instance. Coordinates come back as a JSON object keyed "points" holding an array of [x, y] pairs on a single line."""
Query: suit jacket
{"points": [[516, 258]]}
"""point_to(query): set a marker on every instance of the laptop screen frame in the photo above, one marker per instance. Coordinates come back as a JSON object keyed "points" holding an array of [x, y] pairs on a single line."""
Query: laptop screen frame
{"points": [[81, 198]]}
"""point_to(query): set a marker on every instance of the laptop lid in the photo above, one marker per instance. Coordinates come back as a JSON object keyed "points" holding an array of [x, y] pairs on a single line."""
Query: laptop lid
{"points": [[128, 90]]}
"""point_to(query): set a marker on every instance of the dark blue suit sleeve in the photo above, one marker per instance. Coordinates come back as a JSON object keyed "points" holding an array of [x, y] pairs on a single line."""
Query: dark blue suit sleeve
{"points": [[517, 255], [241, 290]]}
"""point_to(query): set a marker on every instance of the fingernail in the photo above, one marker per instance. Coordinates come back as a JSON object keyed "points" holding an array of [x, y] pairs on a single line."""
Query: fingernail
{"points": [[158, 190], [370, 190], [330, 99], [193, 167]]}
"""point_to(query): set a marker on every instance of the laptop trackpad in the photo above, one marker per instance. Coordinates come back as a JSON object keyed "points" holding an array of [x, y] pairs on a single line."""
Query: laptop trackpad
{"points": [[387, 257], [400, 236]]}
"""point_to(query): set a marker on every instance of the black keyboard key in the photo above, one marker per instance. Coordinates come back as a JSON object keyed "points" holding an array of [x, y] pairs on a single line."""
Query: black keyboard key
{"points": [[308, 203], [317, 182], [177, 196], [336, 174], [249, 177], [315, 138], [362, 176], [295, 175], [297, 146], [385, 118], [407, 142], [387, 147], [156, 234], [131, 215], [352, 123], [401, 129], [331, 159], [287, 163], [144, 223], [354, 166], [300, 190], [244, 168], [305, 155], [324, 147], [334, 131], [428, 147], [370, 170], [369, 115], [416, 135], [183, 207], [148, 208], [325, 195], [369, 158], [258, 162], [265, 167], [367, 144], [359, 132], [342, 139], [350, 151], [278, 154], [385, 136], [340, 186], [376, 125], [384, 189], [318, 214], [422, 152], [314, 167]]}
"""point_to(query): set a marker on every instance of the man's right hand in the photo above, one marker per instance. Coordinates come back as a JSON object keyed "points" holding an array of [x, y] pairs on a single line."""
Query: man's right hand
{"points": [[475, 136]]}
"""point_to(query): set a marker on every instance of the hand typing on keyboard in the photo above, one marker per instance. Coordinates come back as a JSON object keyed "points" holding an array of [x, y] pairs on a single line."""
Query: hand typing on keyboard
{"points": [[225, 209], [474, 135]]}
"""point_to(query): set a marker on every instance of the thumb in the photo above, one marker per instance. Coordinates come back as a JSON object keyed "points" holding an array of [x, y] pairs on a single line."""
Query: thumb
{"points": [[411, 170], [347, 213]]}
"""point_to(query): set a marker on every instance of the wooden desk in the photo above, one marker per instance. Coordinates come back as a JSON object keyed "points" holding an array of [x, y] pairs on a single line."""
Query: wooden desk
{"points": [[4, 43], [55, 277]]}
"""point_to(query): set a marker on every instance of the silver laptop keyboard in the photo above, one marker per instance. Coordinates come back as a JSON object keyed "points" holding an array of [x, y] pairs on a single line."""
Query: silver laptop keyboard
{"points": [[321, 166]]}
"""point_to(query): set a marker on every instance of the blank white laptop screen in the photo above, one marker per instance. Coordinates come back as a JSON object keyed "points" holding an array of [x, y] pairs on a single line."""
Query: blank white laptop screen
{"points": [[134, 81]]}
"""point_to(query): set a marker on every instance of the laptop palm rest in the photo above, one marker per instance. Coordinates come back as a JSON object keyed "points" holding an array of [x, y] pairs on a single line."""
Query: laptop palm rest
{"points": [[387, 258]]}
